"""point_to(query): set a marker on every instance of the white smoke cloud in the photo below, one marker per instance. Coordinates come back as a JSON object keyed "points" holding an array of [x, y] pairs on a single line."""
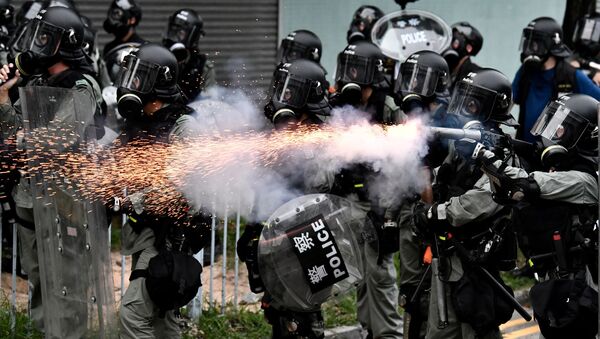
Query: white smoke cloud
{"points": [[304, 163]]}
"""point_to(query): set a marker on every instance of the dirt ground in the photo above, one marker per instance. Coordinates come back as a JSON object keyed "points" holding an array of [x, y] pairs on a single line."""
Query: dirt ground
{"points": [[244, 294]]}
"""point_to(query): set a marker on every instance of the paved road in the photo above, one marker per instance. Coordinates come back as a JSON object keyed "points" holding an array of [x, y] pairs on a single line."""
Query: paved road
{"points": [[517, 327]]}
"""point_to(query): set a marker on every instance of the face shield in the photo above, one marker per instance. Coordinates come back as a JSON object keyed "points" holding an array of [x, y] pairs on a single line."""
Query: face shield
{"points": [[472, 102], [558, 125], [535, 43], [290, 90], [41, 38], [117, 16], [291, 50], [418, 79], [138, 75], [356, 69]]}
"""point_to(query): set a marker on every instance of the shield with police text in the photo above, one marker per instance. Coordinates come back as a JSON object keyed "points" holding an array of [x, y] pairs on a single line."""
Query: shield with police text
{"points": [[400, 34], [312, 250], [71, 230]]}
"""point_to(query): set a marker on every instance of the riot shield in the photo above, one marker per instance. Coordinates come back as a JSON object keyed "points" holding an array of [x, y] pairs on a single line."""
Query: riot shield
{"points": [[71, 232], [311, 250], [400, 34]]}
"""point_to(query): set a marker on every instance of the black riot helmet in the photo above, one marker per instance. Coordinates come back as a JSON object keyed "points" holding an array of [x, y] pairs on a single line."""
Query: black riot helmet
{"points": [[423, 76], [359, 64], [568, 126], [147, 74], [541, 38], [186, 27], [298, 87], [463, 35], [485, 96], [300, 44], [362, 23], [119, 15], [586, 36], [54, 34]]}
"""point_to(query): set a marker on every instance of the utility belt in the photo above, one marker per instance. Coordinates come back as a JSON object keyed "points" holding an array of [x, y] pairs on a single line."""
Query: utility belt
{"points": [[491, 243]]}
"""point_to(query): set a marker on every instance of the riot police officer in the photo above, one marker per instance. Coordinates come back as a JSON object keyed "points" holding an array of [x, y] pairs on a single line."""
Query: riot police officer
{"points": [[155, 111], [298, 94], [360, 76], [464, 214], [184, 29], [362, 23], [360, 80], [297, 98], [556, 212], [466, 42], [121, 21], [545, 74], [61, 62]]}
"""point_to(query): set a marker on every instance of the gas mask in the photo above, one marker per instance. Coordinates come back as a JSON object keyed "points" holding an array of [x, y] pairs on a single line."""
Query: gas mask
{"points": [[182, 54], [38, 44], [135, 85], [116, 22], [353, 73], [456, 51], [535, 48]]}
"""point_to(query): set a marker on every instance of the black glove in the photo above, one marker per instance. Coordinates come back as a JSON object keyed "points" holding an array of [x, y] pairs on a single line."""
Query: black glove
{"points": [[508, 191], [426, 219]]}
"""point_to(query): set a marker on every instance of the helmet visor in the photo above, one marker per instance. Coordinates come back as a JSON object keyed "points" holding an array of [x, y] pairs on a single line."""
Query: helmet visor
{"points": [[290, 90], [356, 69], [39, 37], [534, 43], [560, 125], [418, 79], [291, 50], [137, 75], [472, 101]]}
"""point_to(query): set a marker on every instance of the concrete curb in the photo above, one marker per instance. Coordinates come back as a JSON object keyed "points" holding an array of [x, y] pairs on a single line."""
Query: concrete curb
{"points": [[345, 332], [356, 331]]}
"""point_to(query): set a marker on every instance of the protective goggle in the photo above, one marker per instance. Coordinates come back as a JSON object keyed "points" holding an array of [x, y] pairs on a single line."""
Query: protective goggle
{"points": [[293, 91], [536, 43], [560, 126], [139, 75], [418, 79], [42, 38], [291, 50], [357, 69], [473, 102]]}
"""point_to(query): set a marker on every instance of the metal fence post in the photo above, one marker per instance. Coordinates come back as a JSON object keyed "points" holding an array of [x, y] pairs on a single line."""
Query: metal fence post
{"points": [[236, 265], [224, 271]]}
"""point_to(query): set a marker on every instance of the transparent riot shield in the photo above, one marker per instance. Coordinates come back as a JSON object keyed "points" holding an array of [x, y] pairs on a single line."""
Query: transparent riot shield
{"points": [[312, 250], [71, 232], [400, 34]]}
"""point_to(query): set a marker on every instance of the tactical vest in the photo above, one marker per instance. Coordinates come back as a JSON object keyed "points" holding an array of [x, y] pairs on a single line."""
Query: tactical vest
{"points": [[565, 82], [489, 241]]}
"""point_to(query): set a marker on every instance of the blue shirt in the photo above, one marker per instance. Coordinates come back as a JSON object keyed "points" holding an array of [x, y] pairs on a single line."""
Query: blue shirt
{"points": [[540, 93]]}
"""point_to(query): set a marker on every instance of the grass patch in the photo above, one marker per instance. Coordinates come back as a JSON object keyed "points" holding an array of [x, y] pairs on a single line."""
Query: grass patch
{"points": [[23, 329], [235, 325], [340, 312]]}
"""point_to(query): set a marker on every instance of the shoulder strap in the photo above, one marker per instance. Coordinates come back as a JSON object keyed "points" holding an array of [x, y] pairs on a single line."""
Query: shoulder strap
{"points": [[565, 80]]}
